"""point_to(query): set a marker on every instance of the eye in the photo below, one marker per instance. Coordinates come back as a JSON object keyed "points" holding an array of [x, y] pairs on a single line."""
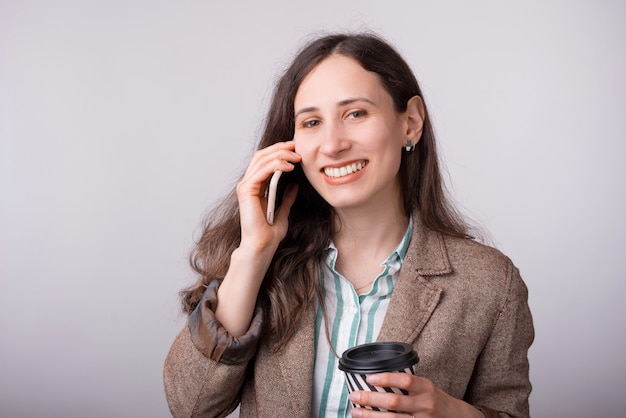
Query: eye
{"points": [[311, 123], [356, 114]]}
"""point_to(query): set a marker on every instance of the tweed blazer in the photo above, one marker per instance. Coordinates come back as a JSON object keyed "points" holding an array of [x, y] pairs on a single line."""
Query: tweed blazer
{"points": [[462, 305]]}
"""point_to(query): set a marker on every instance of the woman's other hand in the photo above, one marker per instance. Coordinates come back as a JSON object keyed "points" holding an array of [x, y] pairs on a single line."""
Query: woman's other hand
{"points": [[424, 399]]}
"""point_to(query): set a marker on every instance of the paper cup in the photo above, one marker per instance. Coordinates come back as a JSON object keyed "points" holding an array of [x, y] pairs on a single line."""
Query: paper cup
{"points": [[359, 361]]}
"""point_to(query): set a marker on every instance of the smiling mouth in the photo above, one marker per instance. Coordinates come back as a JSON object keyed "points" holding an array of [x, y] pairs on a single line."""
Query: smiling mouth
{"points": [[335, 172]]}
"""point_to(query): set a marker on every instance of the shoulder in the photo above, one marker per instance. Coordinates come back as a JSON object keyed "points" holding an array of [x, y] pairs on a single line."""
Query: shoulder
{"points": [[481, 272], [473, 255], [458, 264]]}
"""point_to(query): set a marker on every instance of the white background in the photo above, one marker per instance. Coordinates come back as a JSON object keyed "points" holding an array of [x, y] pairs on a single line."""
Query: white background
{"points": [[122, 121]]}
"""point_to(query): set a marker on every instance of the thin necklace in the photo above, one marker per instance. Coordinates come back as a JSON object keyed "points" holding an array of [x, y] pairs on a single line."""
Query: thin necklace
{"points": [[365, 285]]}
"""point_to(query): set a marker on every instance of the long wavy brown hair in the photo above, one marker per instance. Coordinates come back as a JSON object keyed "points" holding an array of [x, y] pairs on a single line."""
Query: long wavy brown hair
{"points": [[292, 282]]}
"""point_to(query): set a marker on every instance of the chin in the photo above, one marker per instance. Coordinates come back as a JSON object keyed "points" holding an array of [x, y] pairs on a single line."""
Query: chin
{"points": [[342, 202]]}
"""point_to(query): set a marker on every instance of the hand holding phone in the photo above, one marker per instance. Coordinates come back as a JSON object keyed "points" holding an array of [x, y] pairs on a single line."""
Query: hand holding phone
{"points": [[271, 196]]}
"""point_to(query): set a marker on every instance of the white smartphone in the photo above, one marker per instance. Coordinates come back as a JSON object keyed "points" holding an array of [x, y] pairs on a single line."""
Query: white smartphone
{"points": [[271, 196]]}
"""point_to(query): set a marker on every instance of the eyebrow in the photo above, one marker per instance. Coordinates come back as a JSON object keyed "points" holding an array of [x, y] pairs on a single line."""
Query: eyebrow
{"points": [[342, 103]]}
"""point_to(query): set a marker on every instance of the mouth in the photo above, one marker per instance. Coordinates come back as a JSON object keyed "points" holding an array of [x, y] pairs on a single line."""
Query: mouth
{"points": [[336, 172]]}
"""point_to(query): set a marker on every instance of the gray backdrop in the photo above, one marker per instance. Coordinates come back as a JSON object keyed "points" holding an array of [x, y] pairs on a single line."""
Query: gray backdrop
{"points": [[122, 121]]}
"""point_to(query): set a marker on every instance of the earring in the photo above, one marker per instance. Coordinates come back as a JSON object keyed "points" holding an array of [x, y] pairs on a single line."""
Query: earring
{"points": [[409, 147]]}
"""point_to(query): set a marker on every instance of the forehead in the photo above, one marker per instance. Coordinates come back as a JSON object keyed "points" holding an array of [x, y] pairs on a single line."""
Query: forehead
{"points": [[336, 78]]}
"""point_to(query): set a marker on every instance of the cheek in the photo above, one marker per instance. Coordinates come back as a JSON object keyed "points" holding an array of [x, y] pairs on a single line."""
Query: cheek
{"points": [[299, 142], [305, 154], [303, 148]]}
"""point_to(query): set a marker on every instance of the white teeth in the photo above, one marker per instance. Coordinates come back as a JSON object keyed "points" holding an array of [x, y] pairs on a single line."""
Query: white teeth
{"points": [[343, 171]]}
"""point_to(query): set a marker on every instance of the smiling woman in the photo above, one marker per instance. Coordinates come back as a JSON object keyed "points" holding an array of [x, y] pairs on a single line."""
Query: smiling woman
{"points": [[364, 247], [348, 134]]}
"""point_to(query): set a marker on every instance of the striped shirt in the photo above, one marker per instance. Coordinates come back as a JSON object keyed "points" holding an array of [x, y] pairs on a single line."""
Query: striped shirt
{"points": [[353, 319]]}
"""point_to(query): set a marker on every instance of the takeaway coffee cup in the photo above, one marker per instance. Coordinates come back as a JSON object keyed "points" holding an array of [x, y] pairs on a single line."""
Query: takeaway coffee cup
{"points": [[359, 361]]}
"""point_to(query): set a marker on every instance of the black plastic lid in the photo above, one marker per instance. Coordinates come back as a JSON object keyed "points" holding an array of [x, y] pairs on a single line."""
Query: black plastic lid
{"points": [[378, 357]]}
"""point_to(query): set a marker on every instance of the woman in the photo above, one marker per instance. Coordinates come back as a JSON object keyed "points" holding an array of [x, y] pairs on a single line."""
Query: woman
{"points": [[364, 247]]}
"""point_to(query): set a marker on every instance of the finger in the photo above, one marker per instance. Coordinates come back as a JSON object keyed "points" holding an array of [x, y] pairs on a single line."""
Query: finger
{"points": [[281, 150], [263, 166], [366, 413], [388, 401], [257, 177], [290, 145], [406, 381]]}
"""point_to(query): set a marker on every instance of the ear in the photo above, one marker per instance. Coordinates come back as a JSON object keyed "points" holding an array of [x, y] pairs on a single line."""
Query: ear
{"points": [[415, 114]]}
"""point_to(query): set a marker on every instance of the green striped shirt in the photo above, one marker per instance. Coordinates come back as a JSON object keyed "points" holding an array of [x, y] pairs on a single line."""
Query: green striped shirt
{"points": [[352, 320]]}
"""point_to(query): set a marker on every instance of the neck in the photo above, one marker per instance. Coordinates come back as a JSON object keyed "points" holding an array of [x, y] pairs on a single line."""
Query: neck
{"points": [[373, 231]]}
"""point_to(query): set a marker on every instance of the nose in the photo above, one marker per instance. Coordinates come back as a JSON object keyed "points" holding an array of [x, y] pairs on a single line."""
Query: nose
{"points": [[334, 139]]}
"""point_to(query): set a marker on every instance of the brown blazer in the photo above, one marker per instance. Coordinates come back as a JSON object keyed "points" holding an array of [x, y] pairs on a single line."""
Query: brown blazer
{"points": [[462, 305]]}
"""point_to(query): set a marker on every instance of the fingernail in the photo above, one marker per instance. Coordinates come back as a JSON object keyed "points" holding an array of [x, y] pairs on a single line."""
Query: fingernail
{"points": [[355, 397], [373, 379]]}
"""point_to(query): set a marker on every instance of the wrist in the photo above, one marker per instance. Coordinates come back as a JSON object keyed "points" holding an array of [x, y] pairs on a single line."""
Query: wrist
{"points": [[481, 413], [252, 255], [248, 250], [467, 410], [248, 266], [485, 412]]}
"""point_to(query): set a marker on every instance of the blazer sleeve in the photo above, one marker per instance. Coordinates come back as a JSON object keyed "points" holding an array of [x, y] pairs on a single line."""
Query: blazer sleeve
{"points": [[500, 381], [206, 368]]}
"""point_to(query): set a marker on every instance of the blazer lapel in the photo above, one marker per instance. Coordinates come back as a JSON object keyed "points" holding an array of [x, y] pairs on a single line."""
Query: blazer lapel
{"points": [[414, 298]]}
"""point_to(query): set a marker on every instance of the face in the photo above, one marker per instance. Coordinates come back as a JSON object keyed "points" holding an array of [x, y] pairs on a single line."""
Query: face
{"points": [[349, 135]]}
